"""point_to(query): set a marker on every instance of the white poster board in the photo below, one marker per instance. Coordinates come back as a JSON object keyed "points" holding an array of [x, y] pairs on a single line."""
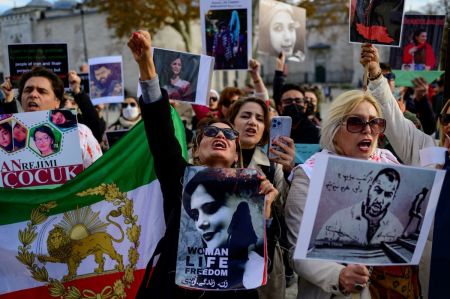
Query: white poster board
{"points": [[227, 32], [367, 213], [106, 83], [44, 148]]}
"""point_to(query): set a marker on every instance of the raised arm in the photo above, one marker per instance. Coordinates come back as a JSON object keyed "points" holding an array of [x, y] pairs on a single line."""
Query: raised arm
{"points": [[260, 88], [405, 138], [167, 155]]}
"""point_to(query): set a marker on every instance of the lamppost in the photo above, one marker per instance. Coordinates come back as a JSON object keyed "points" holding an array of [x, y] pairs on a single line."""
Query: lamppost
{"points": [[80, 6]]}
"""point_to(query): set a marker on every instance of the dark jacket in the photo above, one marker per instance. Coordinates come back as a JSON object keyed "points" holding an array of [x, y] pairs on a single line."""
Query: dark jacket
{"points": [[169, 163]]}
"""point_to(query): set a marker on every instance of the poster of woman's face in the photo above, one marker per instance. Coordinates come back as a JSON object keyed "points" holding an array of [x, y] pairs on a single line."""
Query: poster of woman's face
{"points": [[64, 119], [45, 141], [226, 38], [178, 73], [6, 137], [282, 29], [420, 45]]}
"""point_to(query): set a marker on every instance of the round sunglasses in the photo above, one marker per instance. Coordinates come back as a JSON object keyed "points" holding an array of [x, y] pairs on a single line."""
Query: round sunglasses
{"points": [[356, 124], [212, 131]]}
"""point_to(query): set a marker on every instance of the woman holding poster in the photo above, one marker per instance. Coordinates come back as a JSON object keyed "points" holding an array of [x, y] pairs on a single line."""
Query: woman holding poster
{"points": [[215, 146]]}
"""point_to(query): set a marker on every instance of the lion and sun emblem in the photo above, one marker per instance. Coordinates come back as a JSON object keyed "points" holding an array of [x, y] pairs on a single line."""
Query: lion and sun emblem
{"points": [[80, 234]]}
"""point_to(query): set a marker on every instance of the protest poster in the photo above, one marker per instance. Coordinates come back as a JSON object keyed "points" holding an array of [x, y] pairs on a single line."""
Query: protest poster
{"points": [[41, 148], [376, 22], [84, 84], [186, 77], [227, 32], [221, 243], [106, 80], [282, 28], [23, 57], [420, 45], [50, 238], [368, 213]]}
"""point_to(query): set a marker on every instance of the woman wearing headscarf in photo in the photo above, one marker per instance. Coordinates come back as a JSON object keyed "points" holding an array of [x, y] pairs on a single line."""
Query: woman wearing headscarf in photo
{"points": [[215, 146], [281, 29]]}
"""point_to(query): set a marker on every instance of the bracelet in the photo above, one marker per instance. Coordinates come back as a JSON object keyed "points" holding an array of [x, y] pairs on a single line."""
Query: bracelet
{"points": [[376, 76], [256, 81]]}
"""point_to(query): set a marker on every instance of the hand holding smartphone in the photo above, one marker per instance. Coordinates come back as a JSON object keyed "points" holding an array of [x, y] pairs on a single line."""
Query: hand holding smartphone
{"points": [[280, 126]]}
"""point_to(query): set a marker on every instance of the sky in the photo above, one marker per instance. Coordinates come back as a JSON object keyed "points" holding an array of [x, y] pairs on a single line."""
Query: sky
{"points": [[7, 4]]}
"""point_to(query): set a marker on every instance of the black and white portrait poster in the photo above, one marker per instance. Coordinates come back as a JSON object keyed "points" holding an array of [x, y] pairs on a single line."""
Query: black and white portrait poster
{"points": [[282, 28], [368, 213], [421, 43], [376, 21], [185, 76], [221, 244], [227, 32], [106, 83]]}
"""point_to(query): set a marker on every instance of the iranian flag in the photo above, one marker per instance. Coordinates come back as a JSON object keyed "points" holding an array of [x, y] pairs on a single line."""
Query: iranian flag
{"points": [[91, 237]]}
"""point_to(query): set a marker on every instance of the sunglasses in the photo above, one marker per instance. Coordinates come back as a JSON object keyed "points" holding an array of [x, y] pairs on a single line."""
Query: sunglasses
{"points": [[445, 119], [212, 131], [357, 125], [213, 99], [125, 105], [289, 101]]}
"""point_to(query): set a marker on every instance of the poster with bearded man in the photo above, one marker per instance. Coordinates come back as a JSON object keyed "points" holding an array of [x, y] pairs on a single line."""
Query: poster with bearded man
{"points": [[106, 80]]}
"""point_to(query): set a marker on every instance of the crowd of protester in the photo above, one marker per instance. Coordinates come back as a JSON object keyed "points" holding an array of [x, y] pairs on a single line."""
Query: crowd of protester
{"points": [[411, 118]]}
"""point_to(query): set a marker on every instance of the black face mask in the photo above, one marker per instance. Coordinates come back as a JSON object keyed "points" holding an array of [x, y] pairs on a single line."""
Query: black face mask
{"points": [[309, 109], [296, 112]]}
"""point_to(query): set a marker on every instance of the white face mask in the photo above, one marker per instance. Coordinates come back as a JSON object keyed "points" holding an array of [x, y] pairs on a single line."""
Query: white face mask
{"points": [[130, 113]]}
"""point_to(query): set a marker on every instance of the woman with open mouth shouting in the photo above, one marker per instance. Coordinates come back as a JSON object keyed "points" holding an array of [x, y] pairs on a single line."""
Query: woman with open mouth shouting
{"points": [[216, 146]]}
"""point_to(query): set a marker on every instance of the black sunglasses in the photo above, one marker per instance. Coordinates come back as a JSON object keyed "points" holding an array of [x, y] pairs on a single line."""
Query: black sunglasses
{"points": [[125, 105], [213, 99], [357, 125], [212, 131], [445, 119]]}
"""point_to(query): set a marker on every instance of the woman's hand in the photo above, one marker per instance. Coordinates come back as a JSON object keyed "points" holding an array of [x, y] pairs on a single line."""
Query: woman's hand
{"points": [[353, 278], [7, 89], [370, 57], [255, 68], [412, 50], [286, 157], [270, 192], [140, 44], [75, 82], [420, 88]]}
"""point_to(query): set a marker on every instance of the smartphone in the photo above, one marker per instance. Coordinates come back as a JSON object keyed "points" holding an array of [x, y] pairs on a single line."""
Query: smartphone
{"points": [[280, 126]]}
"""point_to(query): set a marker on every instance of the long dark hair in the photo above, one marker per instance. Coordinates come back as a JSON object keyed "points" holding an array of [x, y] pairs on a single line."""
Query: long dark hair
{"points": [[7, 127], [46, 129], [71, 119]]}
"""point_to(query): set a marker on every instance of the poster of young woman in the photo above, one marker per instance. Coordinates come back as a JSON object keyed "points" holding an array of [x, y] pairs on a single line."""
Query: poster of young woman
{"points": [[39, 148], [185, 76], [227, 32], [282, 28], [421, 43], [221, 244], [376, 21]]}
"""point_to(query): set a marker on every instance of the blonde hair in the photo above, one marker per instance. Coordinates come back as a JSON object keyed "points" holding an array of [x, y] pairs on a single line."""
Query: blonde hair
{"points": [[338, 110], [440, 125]]}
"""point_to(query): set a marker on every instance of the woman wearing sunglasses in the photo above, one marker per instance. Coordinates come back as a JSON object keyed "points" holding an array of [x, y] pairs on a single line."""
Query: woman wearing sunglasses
{"points": [[216, 145], [352, 129], [130, 115]]}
